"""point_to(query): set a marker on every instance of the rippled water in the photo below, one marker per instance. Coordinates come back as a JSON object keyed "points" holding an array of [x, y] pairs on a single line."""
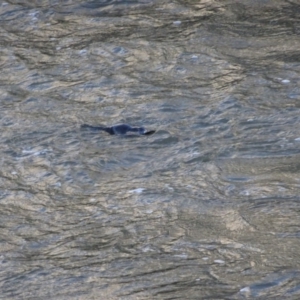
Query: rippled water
{"points": [[207, 207]]}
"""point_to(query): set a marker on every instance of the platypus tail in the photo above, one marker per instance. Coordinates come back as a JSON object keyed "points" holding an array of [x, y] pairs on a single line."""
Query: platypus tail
{"points": [[97, 128]]}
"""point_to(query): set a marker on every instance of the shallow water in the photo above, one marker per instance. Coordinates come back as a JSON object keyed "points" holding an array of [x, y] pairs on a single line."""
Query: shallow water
{"points": [[207, 207]]}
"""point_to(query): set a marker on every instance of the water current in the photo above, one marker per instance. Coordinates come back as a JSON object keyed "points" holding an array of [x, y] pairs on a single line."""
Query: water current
{"points": [[208, 207]]}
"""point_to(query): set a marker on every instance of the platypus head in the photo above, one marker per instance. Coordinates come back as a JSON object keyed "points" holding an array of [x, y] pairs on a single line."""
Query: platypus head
{"points": [[141, 130]]}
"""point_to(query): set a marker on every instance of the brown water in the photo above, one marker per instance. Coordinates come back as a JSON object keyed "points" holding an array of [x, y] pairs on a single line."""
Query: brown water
{"points": [[206, 208]]}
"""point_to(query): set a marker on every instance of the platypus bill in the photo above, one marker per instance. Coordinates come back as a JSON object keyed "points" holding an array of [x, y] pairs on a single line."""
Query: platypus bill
{"points": [[120, 129]]}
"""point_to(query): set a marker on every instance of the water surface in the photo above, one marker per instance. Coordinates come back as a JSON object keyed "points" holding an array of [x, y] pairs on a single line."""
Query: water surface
{"points": [[207, 207]]}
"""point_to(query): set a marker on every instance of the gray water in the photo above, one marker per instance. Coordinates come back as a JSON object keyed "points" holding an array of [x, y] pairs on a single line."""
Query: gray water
{"points": [[206, 208]]}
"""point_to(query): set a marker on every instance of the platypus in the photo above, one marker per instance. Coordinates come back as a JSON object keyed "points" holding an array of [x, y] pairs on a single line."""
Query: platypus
{"points": [[120, 129]]}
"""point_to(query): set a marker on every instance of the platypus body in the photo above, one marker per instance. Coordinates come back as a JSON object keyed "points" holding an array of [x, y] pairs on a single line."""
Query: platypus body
{"points": [[119, 129]]}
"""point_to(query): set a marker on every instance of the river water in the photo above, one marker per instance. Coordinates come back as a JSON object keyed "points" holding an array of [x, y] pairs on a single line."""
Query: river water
{"points": [[206, 208]]}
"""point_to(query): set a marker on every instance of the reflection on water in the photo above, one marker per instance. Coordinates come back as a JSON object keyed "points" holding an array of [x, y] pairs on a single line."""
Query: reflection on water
{"points": [[207, 207]]}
